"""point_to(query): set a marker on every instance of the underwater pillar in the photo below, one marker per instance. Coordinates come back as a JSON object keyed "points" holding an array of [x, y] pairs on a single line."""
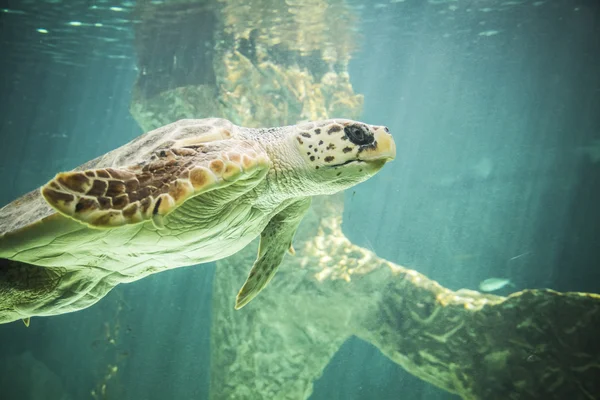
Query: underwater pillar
{"points": [[256, 63]]}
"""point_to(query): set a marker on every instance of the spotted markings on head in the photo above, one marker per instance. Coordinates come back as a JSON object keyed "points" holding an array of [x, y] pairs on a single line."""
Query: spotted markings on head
{"points": [[326, 143]]}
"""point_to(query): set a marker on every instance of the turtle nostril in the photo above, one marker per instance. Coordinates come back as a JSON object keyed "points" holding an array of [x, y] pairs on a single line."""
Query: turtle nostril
{"points": [[358, 135], [385, 128]]}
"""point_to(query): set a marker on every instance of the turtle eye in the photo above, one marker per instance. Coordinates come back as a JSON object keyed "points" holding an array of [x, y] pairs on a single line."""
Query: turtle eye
{"points": [[359, 135]]}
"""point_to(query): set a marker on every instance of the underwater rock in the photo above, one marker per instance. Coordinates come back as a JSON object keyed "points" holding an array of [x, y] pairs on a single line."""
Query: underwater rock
{"points": [[254, 74], [532, 344]]}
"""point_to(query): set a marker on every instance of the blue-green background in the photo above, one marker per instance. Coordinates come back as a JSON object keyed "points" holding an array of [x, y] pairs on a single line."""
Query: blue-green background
{"points": [[491, 130]]}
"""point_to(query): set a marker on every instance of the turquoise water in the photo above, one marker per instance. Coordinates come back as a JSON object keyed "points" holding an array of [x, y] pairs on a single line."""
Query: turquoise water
{"points": [[494, 109]]}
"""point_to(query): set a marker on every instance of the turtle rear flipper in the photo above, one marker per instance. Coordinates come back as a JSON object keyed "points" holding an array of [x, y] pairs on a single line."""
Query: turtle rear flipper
{"points": [[111, 197]]}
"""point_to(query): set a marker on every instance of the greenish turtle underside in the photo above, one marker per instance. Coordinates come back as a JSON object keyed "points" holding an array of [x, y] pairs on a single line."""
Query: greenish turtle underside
{"points": [[190, 192]]}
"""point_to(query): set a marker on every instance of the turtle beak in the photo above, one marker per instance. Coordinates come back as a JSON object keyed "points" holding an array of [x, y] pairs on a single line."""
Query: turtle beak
{"points": [[382, 149]]}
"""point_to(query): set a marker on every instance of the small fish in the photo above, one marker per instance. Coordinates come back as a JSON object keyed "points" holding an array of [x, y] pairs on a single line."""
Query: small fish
{"points": [[489, 33], [493, 284], [9, 11], [519, 256]]}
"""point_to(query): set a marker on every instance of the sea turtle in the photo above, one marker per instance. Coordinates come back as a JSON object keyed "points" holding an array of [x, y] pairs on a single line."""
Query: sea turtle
{"points": [[190, 192]]}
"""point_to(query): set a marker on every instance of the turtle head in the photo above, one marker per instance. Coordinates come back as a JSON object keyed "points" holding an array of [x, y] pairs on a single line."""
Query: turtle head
{"points": [[340, 153]]}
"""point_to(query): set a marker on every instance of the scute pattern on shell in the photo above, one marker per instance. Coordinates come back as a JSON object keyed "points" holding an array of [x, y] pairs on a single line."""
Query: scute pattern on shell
{"points": [[113, 197], [32, 207]]}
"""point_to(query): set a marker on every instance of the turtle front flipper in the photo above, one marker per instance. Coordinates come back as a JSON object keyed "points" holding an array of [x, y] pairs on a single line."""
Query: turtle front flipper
{"points": [[275, 241], [111, 197]]}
